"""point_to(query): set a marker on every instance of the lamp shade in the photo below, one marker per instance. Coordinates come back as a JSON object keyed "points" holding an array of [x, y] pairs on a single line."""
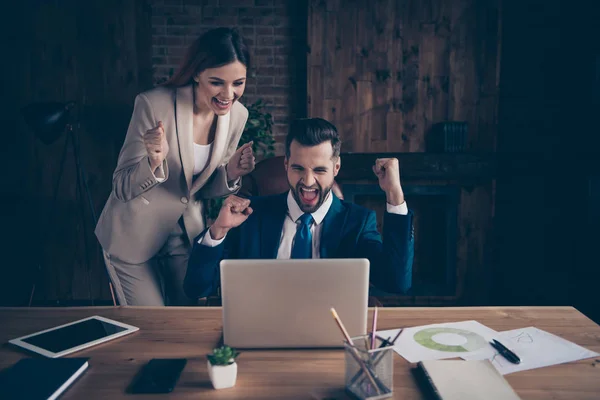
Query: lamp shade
{"points": [[47, 120]]}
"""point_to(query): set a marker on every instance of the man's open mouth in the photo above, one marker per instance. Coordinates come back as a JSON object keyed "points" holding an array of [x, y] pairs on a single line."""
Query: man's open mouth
{"points": [[308, 195]]}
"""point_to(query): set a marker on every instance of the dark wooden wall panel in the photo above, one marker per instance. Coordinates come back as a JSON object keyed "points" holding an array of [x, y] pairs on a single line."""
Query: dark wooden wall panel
{"points": [[397, 67]]}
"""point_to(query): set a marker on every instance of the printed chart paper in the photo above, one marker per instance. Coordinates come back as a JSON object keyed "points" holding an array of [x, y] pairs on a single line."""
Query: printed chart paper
{"points": [[440, 341]]}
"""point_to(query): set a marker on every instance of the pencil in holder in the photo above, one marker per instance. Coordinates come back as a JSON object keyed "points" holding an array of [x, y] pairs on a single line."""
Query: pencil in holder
{"points": [[369, 372]]}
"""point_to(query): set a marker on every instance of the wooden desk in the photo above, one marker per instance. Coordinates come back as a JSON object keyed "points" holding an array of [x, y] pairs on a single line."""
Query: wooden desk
{"points": [[290, 374]]}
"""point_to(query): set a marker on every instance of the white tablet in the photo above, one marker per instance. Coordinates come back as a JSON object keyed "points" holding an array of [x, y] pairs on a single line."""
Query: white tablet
{"points": [[74, 336]]}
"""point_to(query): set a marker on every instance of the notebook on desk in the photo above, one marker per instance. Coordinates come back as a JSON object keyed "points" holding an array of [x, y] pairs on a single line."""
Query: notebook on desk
{"points": [[286, 303], [40, 378], [462, 380]]}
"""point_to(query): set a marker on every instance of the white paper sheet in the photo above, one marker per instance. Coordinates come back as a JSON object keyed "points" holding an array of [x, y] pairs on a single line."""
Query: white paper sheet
{"points": [[536, 348], [439, 341]]}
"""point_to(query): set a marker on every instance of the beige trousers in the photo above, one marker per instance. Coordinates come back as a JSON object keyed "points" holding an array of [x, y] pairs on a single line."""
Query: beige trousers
{"points": [[158, 281]]}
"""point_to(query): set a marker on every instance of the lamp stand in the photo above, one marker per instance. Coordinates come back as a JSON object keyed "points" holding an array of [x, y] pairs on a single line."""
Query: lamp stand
{"points": [[81, 187]]}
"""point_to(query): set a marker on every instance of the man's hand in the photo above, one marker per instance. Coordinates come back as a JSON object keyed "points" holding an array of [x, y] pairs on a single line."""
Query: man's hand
{"points": [[233, 213], [241, 163], [388, 173], [157, 146]]}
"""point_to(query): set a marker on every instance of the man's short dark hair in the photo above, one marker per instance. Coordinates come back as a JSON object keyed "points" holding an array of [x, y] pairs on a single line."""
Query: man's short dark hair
{"points": [[312, 132]]}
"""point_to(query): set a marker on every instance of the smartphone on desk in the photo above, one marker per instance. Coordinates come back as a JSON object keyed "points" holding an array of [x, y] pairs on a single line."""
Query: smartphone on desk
{"points": [[159, 375]]}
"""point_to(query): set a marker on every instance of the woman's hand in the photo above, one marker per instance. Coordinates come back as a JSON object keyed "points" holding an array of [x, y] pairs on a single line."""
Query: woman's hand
{"points": [[241, 163], [156, 144]]}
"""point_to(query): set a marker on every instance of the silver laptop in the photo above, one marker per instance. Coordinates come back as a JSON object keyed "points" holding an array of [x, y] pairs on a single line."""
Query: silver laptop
{"points": [[286, 303]]}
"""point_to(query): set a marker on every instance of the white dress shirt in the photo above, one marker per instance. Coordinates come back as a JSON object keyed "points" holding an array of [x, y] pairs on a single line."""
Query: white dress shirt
{"points": [[293, 219], [201, 158]]}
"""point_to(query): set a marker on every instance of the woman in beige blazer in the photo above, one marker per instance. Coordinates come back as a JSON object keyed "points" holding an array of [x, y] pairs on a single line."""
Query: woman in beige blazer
{"points": [[180, 149]]}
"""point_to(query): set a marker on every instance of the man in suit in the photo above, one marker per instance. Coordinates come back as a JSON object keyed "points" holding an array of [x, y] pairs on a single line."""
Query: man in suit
{"points": [[309, 221]]}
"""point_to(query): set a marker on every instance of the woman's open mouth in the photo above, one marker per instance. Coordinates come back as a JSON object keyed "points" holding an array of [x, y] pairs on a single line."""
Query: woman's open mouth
{"points": [[222, 104]]}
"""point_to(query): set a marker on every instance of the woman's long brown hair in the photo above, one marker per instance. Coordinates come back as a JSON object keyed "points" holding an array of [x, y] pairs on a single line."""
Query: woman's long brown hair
{"points": [[214, 48]]}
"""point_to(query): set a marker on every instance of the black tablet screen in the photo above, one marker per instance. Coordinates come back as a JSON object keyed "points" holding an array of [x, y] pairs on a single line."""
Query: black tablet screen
{"points": [[73, 335]]}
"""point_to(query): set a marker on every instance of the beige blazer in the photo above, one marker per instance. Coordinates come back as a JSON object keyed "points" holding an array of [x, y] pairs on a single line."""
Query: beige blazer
{"points": [[141, 211]]}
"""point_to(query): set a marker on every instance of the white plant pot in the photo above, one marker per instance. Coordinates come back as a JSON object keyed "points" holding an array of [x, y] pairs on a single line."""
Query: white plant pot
{"points": [[222, 376]]}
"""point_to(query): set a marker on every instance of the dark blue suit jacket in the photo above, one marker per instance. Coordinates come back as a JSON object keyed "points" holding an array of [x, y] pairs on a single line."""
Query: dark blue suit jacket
{"points": [[349, 231]]}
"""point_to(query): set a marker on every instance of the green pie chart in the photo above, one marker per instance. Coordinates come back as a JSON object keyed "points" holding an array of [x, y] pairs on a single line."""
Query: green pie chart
{"points": [[449, 339]]}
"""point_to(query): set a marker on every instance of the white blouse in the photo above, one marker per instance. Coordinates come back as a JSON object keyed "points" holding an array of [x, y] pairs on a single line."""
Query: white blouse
{"points": [[201, 156]]}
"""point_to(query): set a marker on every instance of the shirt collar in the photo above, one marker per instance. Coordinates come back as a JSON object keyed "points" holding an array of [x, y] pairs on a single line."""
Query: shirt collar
{"points": [[318, 216]]}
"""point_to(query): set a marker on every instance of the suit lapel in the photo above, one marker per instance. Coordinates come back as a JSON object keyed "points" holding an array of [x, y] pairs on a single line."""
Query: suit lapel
{"points": [[271, 227], [184, 112], [218, 150], [332, 228]]}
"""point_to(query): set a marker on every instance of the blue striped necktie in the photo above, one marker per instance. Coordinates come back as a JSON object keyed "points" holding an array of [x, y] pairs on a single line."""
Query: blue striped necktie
{"points": [[302, 247]]}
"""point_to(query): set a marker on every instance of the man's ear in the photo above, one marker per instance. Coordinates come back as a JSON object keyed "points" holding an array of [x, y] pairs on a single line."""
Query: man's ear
{"points": [[285, 163], [337, 165]]}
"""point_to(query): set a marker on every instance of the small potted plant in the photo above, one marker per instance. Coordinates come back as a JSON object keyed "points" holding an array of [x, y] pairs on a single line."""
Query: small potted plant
{"points": [[222, 368]]}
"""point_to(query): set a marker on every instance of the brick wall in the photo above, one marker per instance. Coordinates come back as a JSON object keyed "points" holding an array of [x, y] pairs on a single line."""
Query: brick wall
{"points": [[274, 31]]}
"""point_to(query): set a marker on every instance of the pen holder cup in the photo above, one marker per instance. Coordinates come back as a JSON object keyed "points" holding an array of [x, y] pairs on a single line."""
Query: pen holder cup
{"points": [[369, 372]]}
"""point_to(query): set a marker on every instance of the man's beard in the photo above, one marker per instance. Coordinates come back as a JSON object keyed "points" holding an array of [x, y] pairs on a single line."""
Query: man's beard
{"points": [[306, 208]]}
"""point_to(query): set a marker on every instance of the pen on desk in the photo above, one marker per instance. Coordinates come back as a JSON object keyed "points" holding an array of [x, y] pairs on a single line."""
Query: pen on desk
{"points": [[506, 353], [354, 352], [374, 328]]}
